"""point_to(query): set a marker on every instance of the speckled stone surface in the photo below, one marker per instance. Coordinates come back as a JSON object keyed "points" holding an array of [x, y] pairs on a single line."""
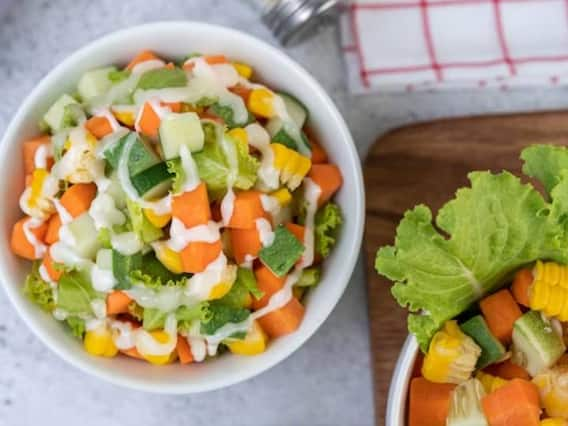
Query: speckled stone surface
{"points": [[327, 381]]}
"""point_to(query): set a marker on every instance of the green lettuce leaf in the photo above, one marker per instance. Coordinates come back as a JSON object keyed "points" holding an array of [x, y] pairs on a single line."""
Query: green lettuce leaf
{"points": [[154, 318], [214, 168], [116, 76], [328, 222], [310, 277], [220, 315], [39, 291], [244, 285], [141, 225], [153, 274], [545, 163], [76, 325], [479, 239], [75, 293], [175, 169], [227, 114], [161, 78]]}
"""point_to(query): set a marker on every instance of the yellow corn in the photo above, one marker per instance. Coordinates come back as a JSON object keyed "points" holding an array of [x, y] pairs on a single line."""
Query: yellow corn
{"points": [[67, 144], [261, 103], [124, 115], [248, 301], [91, 139], [293, 167], [554, 422], [158, 220], [553, 388], [283, 196], [99, 342], [224, 286], [490, 382], [169, 258], [38, 178], [162, 337], [549, 290], [451, 357], [240, 135], [244, 70], [253, 344]]}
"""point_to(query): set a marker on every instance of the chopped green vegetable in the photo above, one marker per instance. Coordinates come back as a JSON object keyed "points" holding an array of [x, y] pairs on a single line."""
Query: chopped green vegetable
{"points": [[328, 222], [152, 274], [154, 318], [244, 285], [75, 293], [227, 114], [220, 315], [175, 169], [492, 350], [122, 266], [116, 76], [76, 325], [310, 277], [73, 114], [493, 227], [283, 253], [141, 225], [161, 78], [39, 291], [205, 102], [104, 237]]}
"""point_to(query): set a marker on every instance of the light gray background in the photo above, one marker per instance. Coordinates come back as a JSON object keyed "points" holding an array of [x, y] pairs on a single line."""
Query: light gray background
{"points": [[326, 382]]}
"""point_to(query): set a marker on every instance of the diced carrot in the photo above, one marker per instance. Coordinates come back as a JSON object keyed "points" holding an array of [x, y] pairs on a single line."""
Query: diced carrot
{"points": [[514, 404], [28, 180], [245, 242], [284, 320], [210, 59], [328, 178], [508, 371], [132, 352], [198, 255], [521, 283], [19, 242], [78, 198], [429, 402], [501, 311], [319, 156], [183, 350], [242, 91], [247, 208], [48, 263], [192, 208], [149, 121], [117, 302], [98, 126], [143, 56], [53, 225], [170, 66], [297, 230], [174, 106], [268, 283], [29, 149]]}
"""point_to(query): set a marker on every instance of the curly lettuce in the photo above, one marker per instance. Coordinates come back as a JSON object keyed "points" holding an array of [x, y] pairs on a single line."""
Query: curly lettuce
{"points": [[328, 222], [244, 286], [76, 326], [221, 314], [75, 293], [141, 225], [478, 240], [152, 274], [39, 291], [545, 163], [153, 318]]}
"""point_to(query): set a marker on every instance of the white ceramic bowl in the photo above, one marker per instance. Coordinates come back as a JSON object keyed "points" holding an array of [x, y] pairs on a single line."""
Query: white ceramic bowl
{"points": [[176, 39], [398, 390]]}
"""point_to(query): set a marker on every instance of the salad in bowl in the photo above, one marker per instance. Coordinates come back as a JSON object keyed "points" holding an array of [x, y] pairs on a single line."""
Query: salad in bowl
{"points": [[486, 283], [175, 210]]}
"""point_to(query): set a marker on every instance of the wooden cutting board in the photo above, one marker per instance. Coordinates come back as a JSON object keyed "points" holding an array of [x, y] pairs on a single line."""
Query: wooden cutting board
{"points": [[426, 163]]}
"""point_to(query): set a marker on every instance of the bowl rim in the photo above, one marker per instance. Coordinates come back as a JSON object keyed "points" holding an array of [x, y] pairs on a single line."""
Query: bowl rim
{"points": [[352, 163], [398, 389]]}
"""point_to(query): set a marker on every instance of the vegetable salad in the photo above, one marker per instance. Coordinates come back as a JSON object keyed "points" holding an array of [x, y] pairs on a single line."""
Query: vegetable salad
{"points": [[174, 211], [489, 298]]}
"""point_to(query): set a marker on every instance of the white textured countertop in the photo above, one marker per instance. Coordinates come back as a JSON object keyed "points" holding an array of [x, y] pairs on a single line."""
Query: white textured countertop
{"points": [[328, 381]]}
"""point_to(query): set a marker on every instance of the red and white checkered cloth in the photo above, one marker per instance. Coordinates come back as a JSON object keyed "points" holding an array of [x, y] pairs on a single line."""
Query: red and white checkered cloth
{"points": [[399, 45]]}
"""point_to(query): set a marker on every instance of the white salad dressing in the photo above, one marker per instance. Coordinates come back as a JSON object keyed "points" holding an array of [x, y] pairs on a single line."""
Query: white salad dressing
{"points": [[104, 212], [159, 110], [226, 74], [290, 126], [41, 155], [109, 140], [265, 233], [201, 284], [102, 279], [39, 247], [99, 308], [190, 171], [182, 236], [258, 138], [126, 243], [95, 324], [247, 264], [105, 113], [146, 344], [63, 253], [198, 348], [123, 334], [44, 275], [228, 206], [64, 216], [151, 64], [167, 299]]}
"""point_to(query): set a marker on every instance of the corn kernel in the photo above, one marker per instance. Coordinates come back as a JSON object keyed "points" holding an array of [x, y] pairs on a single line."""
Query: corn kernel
{"points": [[240, 135], [158, 220], [161, 337], [99, 342], [244, 70], [253, 344], [549, 291], [219, 290], [260, 103], [67, 144], [557, 421], [292, 166], [169, 258], [125, 116], [490, 383], [38, 178], [283, 196], [553, 388]]}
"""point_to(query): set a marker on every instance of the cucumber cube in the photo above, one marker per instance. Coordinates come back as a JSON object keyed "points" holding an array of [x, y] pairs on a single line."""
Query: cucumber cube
{"points": [[536, 344], [153, 182], [492, 350], [122, 266], [181, 129], [85, 235], [142, 155], [95, 83], [55, 114], [296, 109]]}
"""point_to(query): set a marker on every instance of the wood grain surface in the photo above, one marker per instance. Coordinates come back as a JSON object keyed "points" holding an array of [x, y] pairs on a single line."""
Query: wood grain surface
{"points": [[426, 163]]}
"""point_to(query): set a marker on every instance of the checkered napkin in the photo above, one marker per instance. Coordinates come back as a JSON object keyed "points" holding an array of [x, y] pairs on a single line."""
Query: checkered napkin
{"points": [[405, 45]]}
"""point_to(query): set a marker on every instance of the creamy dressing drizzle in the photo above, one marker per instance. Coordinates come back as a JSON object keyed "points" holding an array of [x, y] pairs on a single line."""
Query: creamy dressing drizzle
{"points": [[44, 275], [147, 345], [228, 206], [104, 212], [148, 65], [127, 243], [99, 308], [39, 247], [41, 155], [258, 138], [201, 284], [103, 280], [123, 334], [265, 233], [64, 215], [249, 259], [180, 236], [105, 113], [191, 173]]}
